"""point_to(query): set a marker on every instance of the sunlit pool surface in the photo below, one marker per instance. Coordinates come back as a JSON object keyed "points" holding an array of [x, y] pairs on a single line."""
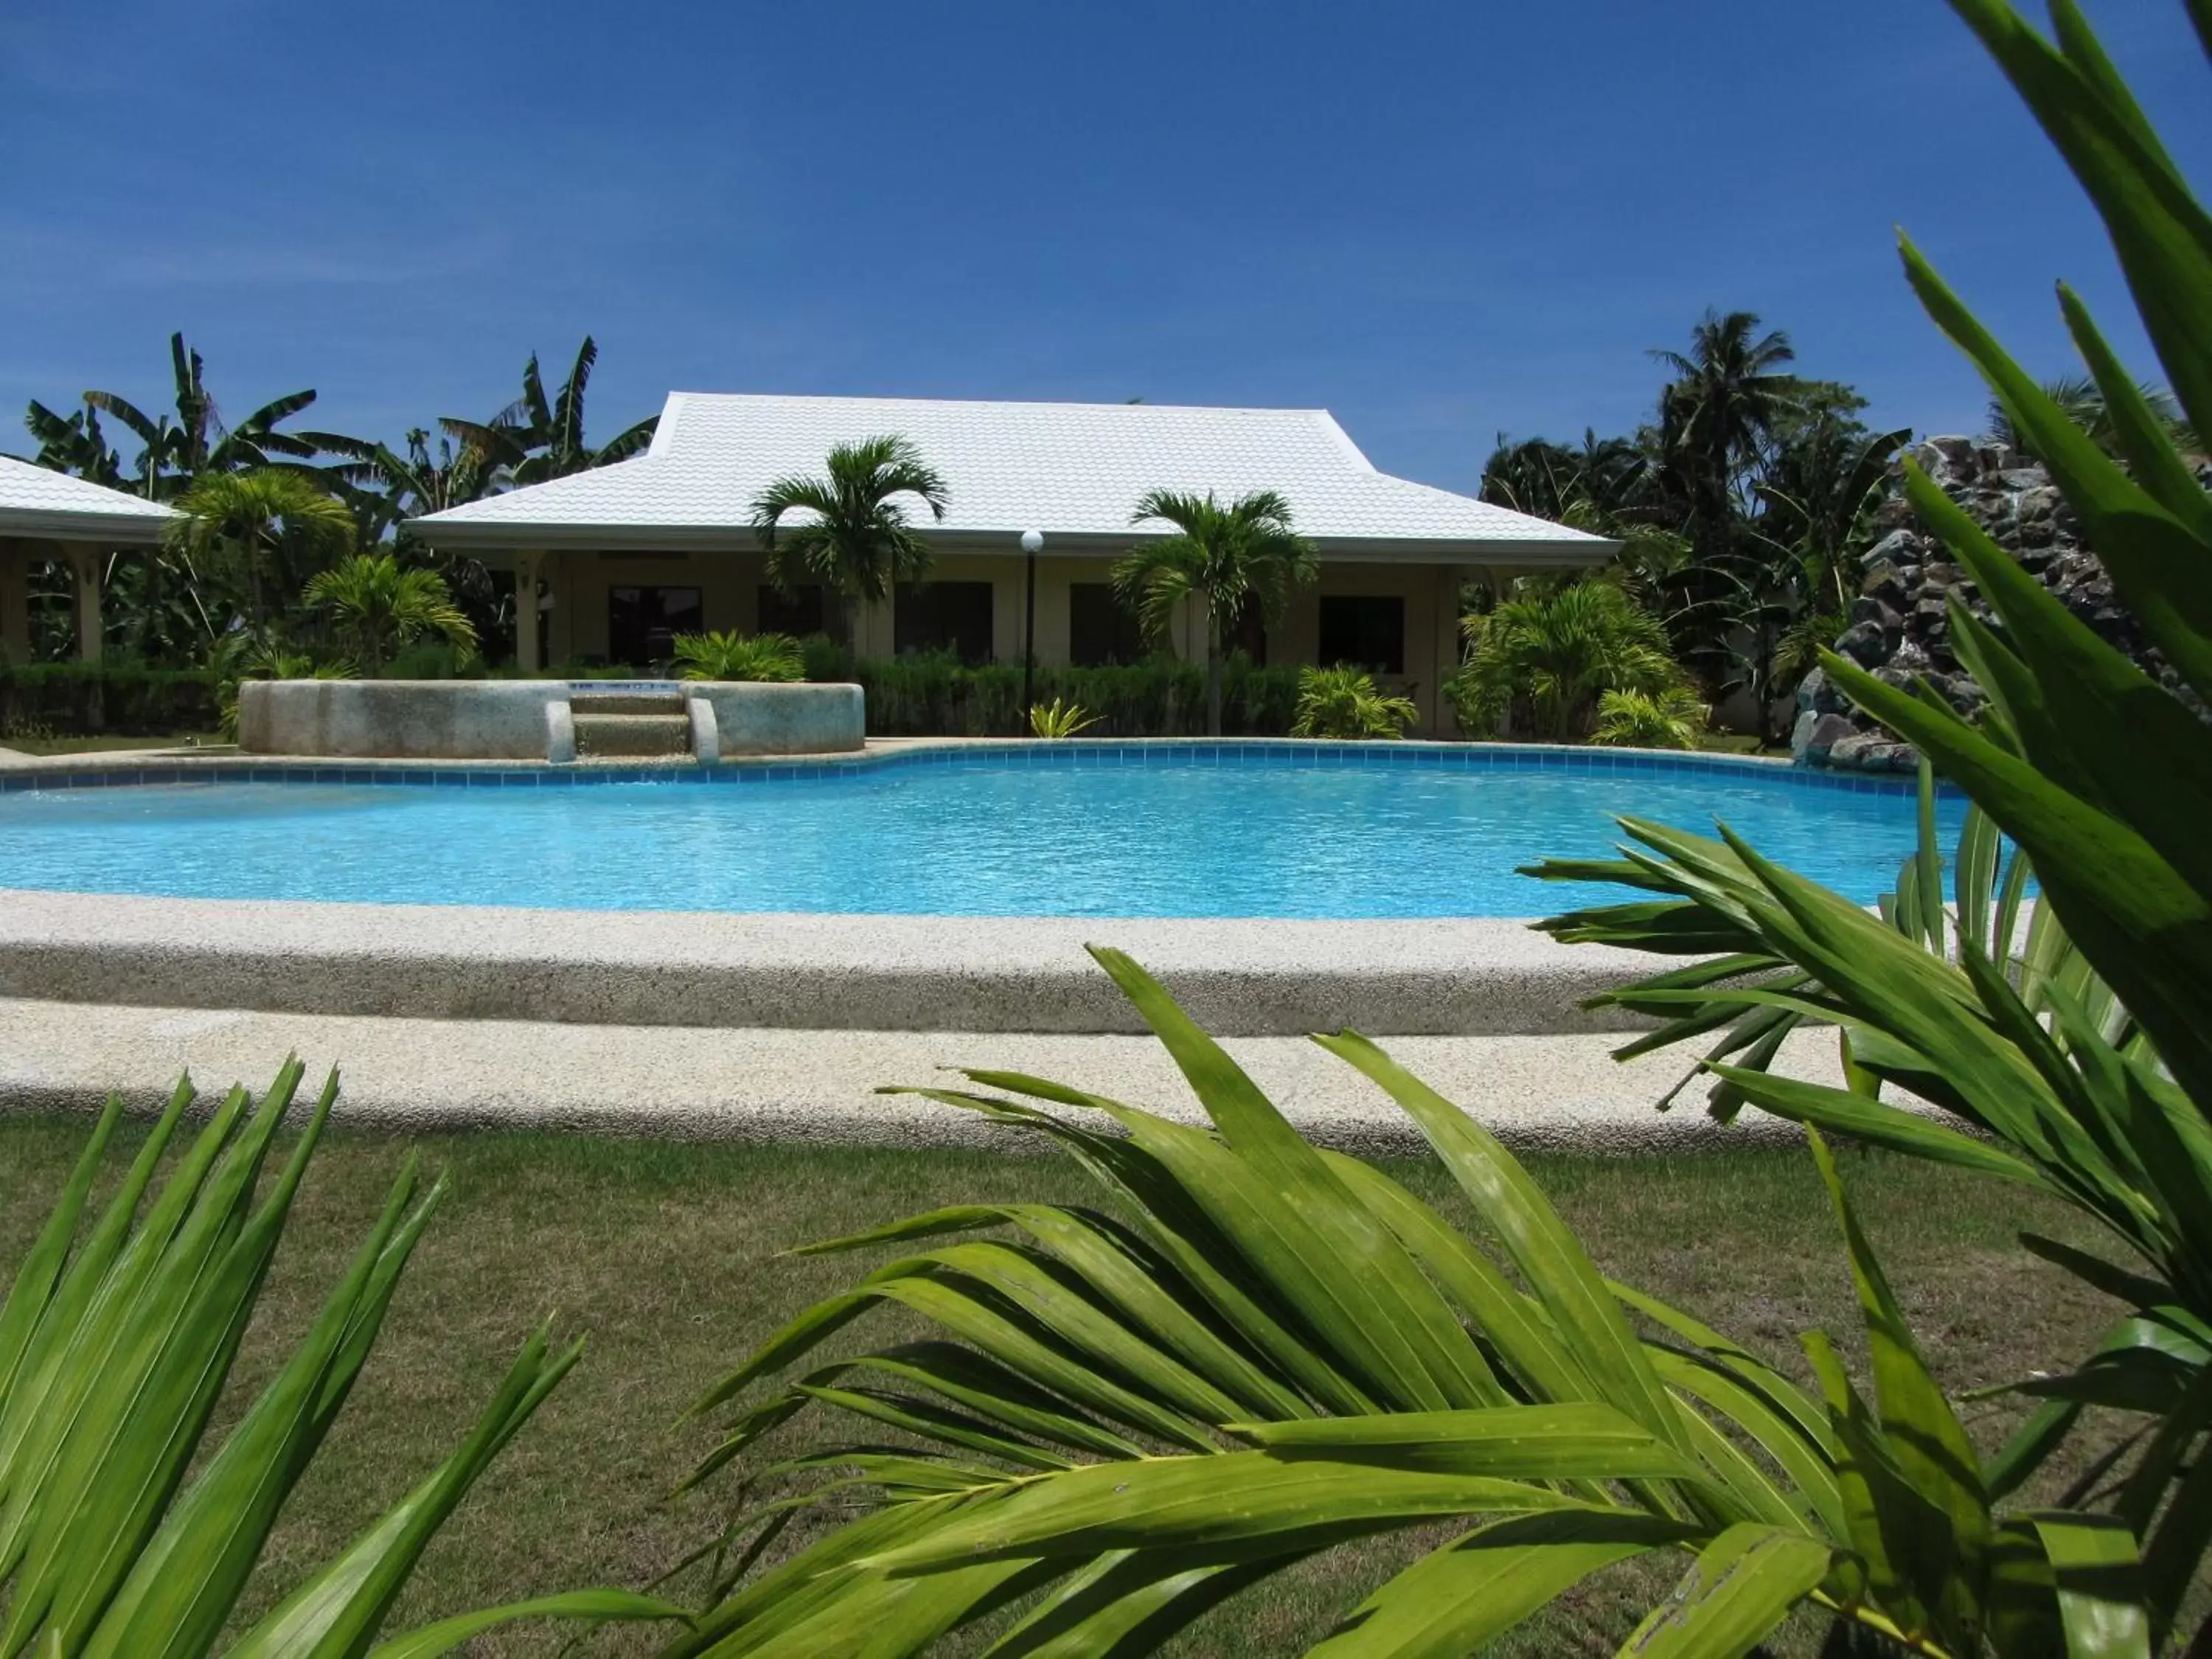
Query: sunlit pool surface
{"points": [[1119, 830]]}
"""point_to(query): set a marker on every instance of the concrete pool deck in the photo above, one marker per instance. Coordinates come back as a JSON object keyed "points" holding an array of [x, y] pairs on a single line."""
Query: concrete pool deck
{"points": [[1455, 977], [1546, 1092]]}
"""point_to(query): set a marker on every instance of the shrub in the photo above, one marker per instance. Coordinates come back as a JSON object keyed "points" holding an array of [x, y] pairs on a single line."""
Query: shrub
{"points": [[1060, 719], [1550, 656], [773, 657], [934, 694], [1343, 702], [116, 695], [1673, 718]]}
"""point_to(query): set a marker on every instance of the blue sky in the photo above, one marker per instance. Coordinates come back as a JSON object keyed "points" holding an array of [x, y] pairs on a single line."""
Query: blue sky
{"points": [[1439, 220]]}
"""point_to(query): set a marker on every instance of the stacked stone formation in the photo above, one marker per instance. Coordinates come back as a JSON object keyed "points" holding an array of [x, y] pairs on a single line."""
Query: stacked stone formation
{"points": [[1899, 625]]}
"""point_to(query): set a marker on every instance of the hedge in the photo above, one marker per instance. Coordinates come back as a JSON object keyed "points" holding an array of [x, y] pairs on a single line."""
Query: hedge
{"points": [[86, 699], [935, 695]]}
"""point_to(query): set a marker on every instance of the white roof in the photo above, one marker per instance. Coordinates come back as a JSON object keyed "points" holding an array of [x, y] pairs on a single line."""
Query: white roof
{"points": [[1074, 471], [39, 502]]}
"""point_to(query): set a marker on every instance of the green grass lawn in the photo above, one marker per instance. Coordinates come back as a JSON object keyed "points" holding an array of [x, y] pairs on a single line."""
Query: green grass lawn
{"points": [[666, 1254], [106, 741]]}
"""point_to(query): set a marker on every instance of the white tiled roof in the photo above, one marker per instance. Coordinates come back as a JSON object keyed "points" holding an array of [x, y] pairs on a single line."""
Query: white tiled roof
{"points": [[36, 500], [1072, 469]]}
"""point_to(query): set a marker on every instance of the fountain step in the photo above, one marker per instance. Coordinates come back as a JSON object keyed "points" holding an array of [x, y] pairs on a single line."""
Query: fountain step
{"points": [[626, 702], [633, 735]]}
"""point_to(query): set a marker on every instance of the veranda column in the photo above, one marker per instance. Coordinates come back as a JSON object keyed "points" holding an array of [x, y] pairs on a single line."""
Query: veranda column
{"points": [[16, 601], [84, 563], [526, 566]]}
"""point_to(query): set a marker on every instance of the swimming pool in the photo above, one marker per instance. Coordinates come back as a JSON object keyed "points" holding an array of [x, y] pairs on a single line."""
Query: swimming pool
{"points": [[1096, 829]]}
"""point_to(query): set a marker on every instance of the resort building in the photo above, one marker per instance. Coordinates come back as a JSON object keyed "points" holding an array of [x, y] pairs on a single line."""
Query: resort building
{"points": [[623, 556], [49, 517]]}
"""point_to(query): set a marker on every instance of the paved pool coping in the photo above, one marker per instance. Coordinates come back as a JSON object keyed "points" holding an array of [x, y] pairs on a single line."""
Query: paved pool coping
{"points": [[1475, 977], [151, 767]]}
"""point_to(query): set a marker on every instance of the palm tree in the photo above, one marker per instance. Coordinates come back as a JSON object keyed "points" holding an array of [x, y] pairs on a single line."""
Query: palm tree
{"points": [[270, 524], [1558, 654], [533, 440], [2083, 403], [855, 540], [384, 487], [1224, 557], [1716, 417], [377, 604], [197, 441]]}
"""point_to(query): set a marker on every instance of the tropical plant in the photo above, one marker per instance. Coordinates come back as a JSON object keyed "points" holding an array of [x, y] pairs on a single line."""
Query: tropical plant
{"points": [[533, 440], [1259, 1351], [385, 488], [376, 605], [240, 656], [1672, 719], [127, 1526], [240, 533], [178, 452], [1222, 559], [1554, 653], [74, 444], [2082, 1058], [851, 534], [1059, 718], [739, 657], [1342, 702], [2083, 401], [1718, 420]]}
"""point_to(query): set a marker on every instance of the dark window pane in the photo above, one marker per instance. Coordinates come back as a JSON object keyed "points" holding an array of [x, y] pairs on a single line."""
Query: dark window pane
{"points": [[642, 622], [1099, 630], [1364, 630], [796, 614], [1247, 634], [953, 617]]}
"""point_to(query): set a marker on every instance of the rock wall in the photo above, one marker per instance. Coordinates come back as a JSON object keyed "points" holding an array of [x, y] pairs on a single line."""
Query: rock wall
{"points": [[1900, 627]]}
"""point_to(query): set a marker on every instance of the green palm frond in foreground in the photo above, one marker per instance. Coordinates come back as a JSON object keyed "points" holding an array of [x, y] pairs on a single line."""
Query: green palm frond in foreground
{"points": [[126, 1530], [1262, 1351]]}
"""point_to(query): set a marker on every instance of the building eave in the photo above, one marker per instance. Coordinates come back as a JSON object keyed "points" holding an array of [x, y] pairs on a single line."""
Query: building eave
{"points": [[128, 529], [1567, 551]]}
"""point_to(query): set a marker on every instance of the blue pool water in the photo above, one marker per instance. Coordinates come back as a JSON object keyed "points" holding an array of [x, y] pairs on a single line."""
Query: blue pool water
{"points": [[1319, 830]]}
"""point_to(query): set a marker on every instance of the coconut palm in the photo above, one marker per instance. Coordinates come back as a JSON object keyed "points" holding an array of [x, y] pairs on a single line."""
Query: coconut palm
{"points": [[851, 534], [178, 452], [1728, 392], [1557, 653], [2082, 402], [1222, 558], [252, 529], [533, 440], [377, 604]]}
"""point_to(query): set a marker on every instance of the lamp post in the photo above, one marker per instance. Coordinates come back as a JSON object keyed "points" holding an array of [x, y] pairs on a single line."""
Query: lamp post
{"points": [[1031, 541]]}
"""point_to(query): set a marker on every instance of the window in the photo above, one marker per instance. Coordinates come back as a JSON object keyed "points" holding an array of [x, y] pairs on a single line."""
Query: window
{"points": [[797, 615], [642, 622], [1364, 630], [1099, 629], [953, 617], [1247, 632]]}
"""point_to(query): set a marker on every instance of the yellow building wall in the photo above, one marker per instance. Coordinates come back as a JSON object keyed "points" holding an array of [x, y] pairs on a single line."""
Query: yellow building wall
{"points": [[729, 585]]}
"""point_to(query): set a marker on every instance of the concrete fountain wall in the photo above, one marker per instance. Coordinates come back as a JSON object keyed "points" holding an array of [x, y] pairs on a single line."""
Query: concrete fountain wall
{"points": [[524, 719]]}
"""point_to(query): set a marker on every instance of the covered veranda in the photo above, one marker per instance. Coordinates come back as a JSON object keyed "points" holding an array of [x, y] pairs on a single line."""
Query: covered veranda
{"points": [[48, 517]]}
